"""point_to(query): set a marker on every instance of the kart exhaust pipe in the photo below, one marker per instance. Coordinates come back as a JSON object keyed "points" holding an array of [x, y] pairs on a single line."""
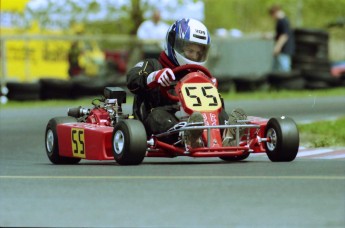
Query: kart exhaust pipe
{"points": [[78, 112]]}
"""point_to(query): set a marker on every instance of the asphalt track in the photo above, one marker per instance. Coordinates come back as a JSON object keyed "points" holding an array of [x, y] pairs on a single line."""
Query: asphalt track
{"points": [[179, 192]]}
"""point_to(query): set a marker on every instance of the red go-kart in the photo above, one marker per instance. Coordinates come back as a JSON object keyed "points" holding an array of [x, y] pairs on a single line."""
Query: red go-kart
{"points": [[105, 133]]}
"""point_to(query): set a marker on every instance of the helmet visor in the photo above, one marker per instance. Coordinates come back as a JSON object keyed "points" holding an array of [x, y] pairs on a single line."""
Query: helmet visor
{"points": [[191, 50]]}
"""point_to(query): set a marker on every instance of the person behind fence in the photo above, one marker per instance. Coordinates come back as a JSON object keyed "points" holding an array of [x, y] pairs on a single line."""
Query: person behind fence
{"points": [[284, 42], [154, 31], [187, 42], [76, 51], [153, 28]]}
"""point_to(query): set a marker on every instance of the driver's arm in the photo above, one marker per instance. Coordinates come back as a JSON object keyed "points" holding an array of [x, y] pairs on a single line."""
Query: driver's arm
{"points": [[137, 76], [162, 77]]}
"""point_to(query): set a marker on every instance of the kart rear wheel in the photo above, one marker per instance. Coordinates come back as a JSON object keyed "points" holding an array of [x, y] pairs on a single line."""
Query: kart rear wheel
{"points": [[236, 158], [129, 142], [284, 139], [51, 141]]}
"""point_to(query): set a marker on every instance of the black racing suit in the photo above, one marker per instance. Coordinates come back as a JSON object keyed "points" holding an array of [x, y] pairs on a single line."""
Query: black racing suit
{"points": [[150, 106]]}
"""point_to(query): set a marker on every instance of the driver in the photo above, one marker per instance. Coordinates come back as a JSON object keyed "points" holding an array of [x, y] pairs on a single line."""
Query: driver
{"points": [[187, 42]]}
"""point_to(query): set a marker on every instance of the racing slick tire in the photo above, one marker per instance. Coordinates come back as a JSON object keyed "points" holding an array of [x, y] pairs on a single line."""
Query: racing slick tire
{"points": [[129, 142], [51, 141], [284, 139], [236, 158]]}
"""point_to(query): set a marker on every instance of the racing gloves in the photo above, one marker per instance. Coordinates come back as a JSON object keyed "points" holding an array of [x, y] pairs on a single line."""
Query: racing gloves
{"points": [[161, 77]]}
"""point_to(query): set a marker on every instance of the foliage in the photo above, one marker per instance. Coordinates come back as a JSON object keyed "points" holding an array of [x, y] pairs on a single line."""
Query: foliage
{"points": [[323, 133], [246, 15], [230, 96], [85, 102], [274, 94], [252, 15], [122, 17]]}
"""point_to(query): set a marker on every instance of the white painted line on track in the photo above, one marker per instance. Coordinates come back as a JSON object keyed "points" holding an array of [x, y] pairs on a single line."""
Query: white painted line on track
{"points": [[314, 152], [338, 156], [177, 177]]}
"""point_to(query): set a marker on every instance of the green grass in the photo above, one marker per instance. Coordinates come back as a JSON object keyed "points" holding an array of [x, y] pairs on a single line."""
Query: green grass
{"points": [[323, 133], [48, 103], [274, 94], [85, 102], [256, 95]]}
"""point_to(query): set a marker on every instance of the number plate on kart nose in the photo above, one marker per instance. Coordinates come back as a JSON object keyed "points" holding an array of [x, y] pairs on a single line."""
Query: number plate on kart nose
{"points": [[202, 97]]}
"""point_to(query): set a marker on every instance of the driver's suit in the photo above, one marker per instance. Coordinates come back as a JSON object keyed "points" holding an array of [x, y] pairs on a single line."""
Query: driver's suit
{"points": [[150, 106]]}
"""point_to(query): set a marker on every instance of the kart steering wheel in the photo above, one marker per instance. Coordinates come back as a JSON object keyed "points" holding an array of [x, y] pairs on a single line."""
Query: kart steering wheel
{"points": [[190, 68]]}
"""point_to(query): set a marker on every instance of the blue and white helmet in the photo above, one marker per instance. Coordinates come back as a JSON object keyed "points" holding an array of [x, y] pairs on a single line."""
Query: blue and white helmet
{"points": [[187, 42]]}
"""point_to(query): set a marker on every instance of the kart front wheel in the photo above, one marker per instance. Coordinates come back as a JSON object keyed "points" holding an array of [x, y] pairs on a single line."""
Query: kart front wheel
{"points": [[283, 142], [52, 144], [129, 142]]}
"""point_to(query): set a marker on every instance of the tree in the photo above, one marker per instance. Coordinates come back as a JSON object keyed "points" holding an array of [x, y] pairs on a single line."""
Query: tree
{"points": [[252, 16]]}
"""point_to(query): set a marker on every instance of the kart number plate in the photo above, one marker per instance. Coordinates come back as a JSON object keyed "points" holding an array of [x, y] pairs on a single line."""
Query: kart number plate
{"points": [[201, 96], [78, 142]]}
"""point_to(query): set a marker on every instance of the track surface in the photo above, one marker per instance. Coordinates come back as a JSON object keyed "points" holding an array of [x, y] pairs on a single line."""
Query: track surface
{"points": [[179, 192]]}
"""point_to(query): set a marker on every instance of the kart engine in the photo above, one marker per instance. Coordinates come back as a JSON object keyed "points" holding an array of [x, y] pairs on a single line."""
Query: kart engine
{"points": [[106, 111]]}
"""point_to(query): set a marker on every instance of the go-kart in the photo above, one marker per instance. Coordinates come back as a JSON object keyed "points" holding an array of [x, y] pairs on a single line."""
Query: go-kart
{"points": [[104, 132]]}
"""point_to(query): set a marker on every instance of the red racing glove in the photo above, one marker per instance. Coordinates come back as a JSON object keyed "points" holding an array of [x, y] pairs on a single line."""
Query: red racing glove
{"points": [[161, 77]]}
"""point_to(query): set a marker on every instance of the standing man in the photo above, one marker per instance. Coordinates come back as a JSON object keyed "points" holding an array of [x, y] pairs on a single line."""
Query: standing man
{"points": [[153, 31], [284, 46]]}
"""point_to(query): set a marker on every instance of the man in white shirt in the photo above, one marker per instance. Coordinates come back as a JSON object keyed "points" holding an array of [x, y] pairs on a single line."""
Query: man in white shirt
{"points": [[154, 31]]}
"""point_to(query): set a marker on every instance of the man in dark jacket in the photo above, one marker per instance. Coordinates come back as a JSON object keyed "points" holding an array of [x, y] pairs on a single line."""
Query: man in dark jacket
{"points": [[284, 45]]}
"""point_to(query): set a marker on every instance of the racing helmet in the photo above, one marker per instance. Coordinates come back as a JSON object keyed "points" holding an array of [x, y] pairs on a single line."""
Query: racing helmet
{"points": [[187, 42]]}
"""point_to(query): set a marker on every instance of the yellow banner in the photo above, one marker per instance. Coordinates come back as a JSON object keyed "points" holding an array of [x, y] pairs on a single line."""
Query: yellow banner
{"points": [[13, 5], [31, 60]]}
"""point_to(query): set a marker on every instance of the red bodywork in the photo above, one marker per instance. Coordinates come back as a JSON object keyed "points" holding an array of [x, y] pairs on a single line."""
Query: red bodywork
{"points": [[92, 140], [95, 140], [248, 143]]}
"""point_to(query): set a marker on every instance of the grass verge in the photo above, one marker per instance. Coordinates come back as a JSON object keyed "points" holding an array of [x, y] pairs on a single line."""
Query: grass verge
{"points": [[283, 94], [256, 95], [85, 102], [323, 133]]}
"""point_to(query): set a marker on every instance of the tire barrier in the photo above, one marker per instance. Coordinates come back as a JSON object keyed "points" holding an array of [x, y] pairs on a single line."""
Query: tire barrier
{"points": [[55, 89], [3, 94], [286, 80], [83, 87], [226, 85], [251, 83], [90, 87], [311, 58], [20, 91], [311, 43]]}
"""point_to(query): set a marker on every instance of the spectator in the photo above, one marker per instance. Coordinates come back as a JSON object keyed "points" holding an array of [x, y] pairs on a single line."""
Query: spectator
{"points": [[85, 58], [154, 30], [75, 52], [284, 42]]}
